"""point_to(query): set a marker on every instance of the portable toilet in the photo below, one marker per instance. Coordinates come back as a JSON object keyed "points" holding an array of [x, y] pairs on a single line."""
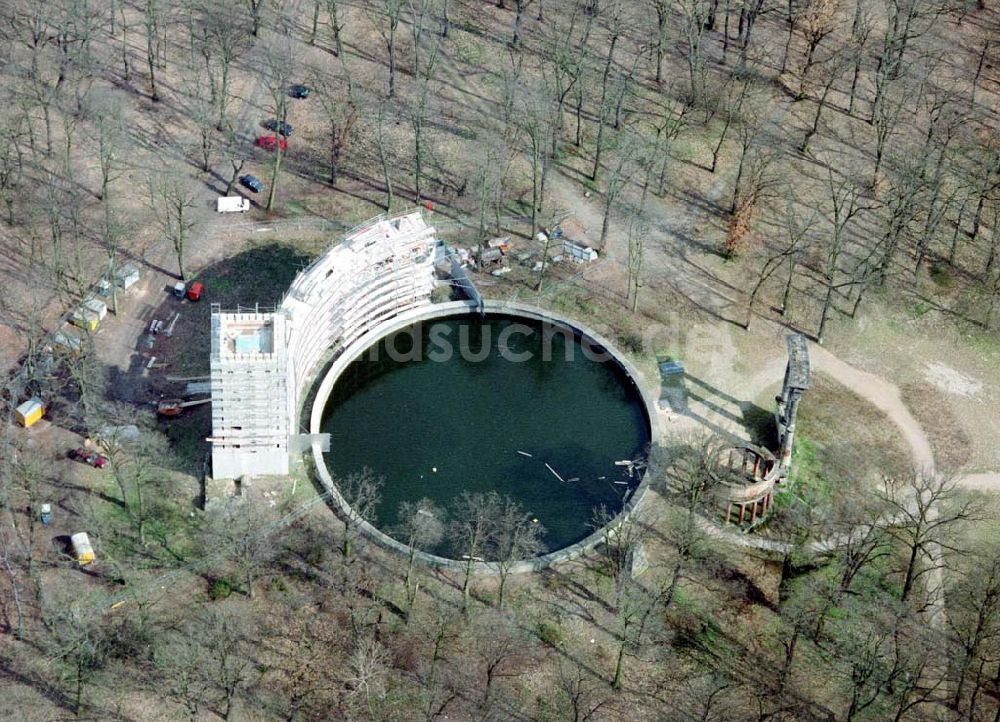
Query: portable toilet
{"points": [[29, 412], [46, 515], [82, 550]]}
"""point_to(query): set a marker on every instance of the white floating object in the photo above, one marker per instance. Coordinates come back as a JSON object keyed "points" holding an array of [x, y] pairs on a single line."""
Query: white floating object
{"points": [[556, 473], [434, 469], [525, 453]]}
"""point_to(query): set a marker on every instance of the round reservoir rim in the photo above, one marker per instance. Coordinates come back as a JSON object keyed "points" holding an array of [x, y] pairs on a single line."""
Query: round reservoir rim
{"points": [[462, 308]]}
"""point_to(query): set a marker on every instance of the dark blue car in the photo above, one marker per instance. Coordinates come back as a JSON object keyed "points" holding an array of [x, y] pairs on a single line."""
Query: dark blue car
{"points": [[278, 126], [299, 91], [251, 182]]}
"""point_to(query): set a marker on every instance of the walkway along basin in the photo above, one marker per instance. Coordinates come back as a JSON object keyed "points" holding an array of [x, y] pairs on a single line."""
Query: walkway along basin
{"points": [[524, 403]]}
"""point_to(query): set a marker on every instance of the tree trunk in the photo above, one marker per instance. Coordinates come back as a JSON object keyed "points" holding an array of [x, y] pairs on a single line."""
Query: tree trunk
{"points": [[273, 190], [315, 22], [600, 108], [467, 584], [827, 303], [518, 12], [616, 683], [911, 573], [391, 42]]}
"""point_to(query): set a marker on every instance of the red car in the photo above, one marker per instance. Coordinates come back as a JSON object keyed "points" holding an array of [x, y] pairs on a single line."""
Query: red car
{"points": [[268, 142], [92, 458]]}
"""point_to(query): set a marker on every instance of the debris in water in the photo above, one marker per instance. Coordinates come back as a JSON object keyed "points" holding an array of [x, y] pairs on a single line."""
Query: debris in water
{"points": [[525, 453], [556, 473]]}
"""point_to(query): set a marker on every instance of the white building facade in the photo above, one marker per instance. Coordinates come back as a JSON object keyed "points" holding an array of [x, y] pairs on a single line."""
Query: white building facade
{"points": [[263, 364]]}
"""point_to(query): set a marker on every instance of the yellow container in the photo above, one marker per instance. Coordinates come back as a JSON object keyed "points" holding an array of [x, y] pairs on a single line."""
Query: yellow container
{"points": [[82, 550], [29, 412], [85, 318]]}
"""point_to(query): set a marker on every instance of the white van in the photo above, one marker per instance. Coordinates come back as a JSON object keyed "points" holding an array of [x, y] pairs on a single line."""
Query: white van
{"points": [[232, 204]]}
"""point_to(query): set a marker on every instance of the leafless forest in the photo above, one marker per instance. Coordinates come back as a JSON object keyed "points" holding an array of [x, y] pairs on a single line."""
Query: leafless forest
{"points": [[746, 164]]}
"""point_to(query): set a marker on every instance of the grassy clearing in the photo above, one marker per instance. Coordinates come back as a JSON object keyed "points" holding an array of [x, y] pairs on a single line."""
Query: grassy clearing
{"points": [[259, 275], [841, 439], [949, 441], [851, 437]]}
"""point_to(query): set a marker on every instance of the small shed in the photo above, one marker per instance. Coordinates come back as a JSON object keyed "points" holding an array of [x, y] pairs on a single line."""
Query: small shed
{"points": [[85, 318], [67, 342], [82, 549], [29, 412], [579, 251], [97, 306], [126, 276]]}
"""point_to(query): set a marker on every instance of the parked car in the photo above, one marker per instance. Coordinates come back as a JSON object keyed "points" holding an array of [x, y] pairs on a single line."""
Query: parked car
{"points": [[269, 142], [91, 458], [299, 91], [252, 183], [278, 126]]}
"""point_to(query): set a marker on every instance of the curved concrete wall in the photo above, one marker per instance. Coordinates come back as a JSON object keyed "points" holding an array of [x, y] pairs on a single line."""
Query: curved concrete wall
{"points": [[457, 308], [381, 269]]}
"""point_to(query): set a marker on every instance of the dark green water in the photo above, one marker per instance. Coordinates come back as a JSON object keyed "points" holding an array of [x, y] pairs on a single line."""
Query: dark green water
{"points": [[469, 419]]}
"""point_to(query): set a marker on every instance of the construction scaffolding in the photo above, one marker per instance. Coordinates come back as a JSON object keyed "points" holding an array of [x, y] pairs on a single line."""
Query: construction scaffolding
{"points": [[249, 394], [263, 363]]}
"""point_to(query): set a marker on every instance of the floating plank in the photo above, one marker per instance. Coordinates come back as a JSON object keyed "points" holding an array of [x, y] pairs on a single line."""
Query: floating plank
{"points": [[525, 453], [556, 473]]}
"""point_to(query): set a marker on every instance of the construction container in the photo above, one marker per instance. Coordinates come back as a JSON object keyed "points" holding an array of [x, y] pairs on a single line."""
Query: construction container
{"points": [[97, 306], [29, 412], [115, 435], [126, 276], [579, 251], [85, 318], [233, 204], [195, 290], [67, 342], [82, 550], [180, 288]]}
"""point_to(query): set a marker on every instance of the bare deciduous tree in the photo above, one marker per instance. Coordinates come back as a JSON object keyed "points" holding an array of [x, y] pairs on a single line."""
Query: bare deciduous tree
{"points": [[173, 201], [422, 525], [362, 492], [473, 522]]}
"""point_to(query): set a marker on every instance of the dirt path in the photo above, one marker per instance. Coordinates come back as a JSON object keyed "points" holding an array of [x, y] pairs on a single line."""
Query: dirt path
{"points": [[880, 392]]}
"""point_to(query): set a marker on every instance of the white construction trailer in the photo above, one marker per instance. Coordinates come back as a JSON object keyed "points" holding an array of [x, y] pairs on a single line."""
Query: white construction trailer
{"points": [[232, 204]]}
